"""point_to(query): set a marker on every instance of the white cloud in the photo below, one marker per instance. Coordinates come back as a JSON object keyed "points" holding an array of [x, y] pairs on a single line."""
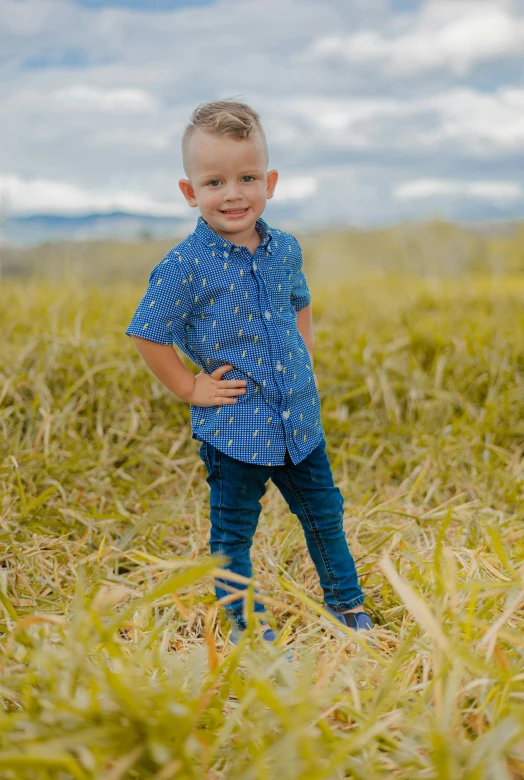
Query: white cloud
{"points": [[43, 196], [484, 121], [496, 191], [82, 97], [473, 122], [28, 18], [295, 189], [445, 34], [346, 122]]}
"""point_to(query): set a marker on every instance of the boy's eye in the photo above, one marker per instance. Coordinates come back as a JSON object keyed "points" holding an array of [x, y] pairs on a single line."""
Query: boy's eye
{"points": [[247, 177], [214, 182]]}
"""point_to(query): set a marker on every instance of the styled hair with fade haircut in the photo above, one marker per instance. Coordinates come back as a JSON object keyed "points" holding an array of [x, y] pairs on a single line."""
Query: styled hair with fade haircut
{"points": [[228, 117]]}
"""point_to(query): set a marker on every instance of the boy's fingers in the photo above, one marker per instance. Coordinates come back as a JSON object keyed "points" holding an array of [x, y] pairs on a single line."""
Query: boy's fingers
{"points": [[229, 391], [218, 372], [233, 383]]}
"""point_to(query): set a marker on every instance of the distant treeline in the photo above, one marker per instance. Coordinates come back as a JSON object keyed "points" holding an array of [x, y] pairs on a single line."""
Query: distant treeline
{"points": [[422, 249]]}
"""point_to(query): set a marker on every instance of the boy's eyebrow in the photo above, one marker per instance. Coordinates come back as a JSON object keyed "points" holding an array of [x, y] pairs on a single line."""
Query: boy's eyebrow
{"points": [[214, 175]]}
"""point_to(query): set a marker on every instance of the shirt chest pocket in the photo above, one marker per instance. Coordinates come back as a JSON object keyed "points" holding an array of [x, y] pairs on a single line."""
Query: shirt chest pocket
{"points": [[279, 285]]}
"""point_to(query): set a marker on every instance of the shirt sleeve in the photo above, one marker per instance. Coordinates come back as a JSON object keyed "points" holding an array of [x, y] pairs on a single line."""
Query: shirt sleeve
{"points": [[165, 308], [300, 295]]}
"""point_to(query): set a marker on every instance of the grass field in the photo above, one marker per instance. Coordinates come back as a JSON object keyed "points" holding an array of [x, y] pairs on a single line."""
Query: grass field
{"points": [[113, 662]]}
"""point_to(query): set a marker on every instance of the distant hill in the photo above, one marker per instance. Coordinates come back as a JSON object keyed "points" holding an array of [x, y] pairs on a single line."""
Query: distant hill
{"points": [[426, 249], [36, 229], [41, 228]]}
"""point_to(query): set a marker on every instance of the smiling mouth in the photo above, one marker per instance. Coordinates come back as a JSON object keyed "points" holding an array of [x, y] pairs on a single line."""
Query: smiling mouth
{"points": [[233, 211]]}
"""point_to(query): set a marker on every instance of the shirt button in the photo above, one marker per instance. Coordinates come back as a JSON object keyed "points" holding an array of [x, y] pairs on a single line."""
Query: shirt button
{"points": [[286, 414], [254, 266], [267, 315], [278, 366]]}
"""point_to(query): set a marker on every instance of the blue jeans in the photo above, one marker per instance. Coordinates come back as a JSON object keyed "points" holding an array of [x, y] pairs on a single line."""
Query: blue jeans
{"points": [[309, 490]]}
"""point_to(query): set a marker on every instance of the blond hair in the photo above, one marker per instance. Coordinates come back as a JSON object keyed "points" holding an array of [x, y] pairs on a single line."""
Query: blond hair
{"points": [[223, 117]]}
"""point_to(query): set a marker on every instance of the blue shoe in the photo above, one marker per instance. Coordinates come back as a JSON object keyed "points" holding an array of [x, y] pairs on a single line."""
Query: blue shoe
{"points": [[239, 627], [237, 632], [358, 621]]}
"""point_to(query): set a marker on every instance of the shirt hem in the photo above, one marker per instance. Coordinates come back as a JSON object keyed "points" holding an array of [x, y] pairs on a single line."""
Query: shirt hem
{"points": [[271, 463]]}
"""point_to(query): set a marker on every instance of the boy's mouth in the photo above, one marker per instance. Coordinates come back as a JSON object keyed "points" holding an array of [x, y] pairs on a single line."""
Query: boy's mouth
{"points": [[234, 212]]}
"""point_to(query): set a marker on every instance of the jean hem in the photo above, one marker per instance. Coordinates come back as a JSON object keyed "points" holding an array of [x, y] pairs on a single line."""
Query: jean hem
{"points": [[343, 606]]}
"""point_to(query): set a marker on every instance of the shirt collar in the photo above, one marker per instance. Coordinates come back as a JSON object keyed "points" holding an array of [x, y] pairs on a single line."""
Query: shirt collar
{"points": [[210, 238]]}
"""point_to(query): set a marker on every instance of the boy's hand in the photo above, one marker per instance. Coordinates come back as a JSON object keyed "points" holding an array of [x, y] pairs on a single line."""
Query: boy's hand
{"points": [[212, 390]]}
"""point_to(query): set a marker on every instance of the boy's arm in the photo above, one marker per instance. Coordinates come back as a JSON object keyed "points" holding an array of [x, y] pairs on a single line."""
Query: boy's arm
{"points": [[305, 326], [165, 364], [301, 302], [201, 390]]}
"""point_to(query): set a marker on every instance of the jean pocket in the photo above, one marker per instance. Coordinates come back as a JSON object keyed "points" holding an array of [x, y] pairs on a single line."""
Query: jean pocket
{"points": [[204, 454]]}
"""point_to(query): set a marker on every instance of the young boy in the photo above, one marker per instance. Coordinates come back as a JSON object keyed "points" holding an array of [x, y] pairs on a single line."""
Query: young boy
{"points": [[233, 297]]}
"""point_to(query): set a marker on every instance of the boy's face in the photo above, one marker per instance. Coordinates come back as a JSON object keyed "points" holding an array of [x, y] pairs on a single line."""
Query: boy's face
{"points": [[229, 182]]}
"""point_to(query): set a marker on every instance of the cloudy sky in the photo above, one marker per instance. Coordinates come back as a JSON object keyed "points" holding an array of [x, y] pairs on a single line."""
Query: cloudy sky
{"points": [[375, 110]]}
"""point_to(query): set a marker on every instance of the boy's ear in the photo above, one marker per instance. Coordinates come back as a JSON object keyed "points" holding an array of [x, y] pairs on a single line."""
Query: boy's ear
{"points": [[272, 178], [188, 192]]}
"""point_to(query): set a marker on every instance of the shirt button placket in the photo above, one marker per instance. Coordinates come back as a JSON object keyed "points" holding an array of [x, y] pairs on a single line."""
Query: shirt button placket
{"points": [[285, 412], [266, 307]]}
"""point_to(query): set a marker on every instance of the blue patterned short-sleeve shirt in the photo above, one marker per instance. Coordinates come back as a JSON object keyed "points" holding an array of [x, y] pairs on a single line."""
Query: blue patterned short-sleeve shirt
{"points": [[219, 303]]}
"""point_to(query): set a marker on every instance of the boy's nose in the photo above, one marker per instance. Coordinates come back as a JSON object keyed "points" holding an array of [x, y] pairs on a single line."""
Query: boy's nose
{"points": [[232, 193]]}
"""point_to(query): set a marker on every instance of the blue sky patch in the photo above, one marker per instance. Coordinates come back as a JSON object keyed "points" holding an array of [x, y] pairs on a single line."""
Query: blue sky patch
{"points": [[404, 5], [142, 5], [56, 58]]}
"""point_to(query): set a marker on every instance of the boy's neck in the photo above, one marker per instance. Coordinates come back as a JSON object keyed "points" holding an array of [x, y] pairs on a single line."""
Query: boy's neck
{"points": [[249, 237]]}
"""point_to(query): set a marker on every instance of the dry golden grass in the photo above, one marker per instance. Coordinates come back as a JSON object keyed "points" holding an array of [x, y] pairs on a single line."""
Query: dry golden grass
{"points": [[113, 661]]}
